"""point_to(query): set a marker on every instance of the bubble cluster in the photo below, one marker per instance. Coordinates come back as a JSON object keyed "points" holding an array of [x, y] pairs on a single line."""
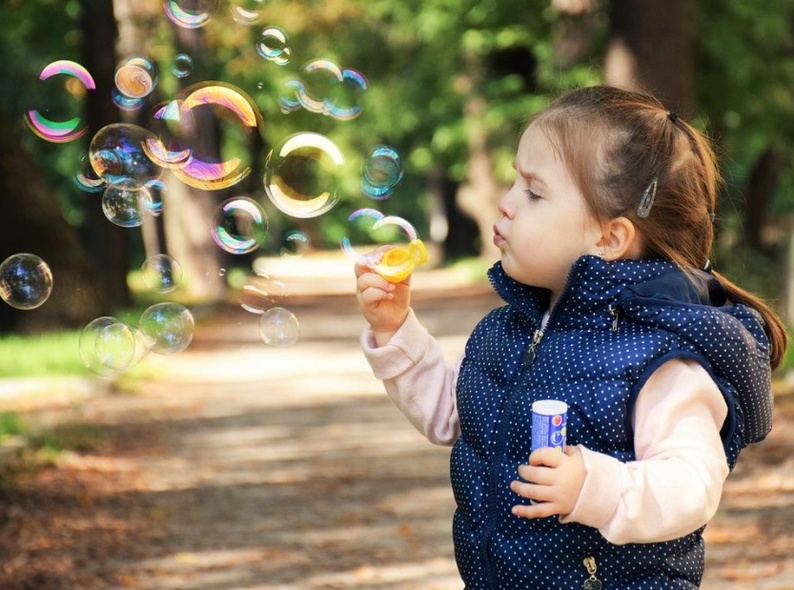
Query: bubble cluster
{"points": [[327, 89], [25, 281], [302, 178]]}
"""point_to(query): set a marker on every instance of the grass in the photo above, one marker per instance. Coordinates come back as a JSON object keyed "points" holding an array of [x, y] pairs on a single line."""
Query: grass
{"points": [[54, 353]]}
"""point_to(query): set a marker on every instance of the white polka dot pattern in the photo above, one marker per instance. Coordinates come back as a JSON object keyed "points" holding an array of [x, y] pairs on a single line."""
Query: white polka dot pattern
{"points": [[596, 366]]}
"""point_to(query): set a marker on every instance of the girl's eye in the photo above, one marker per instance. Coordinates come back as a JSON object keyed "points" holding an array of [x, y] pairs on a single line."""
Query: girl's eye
{"points": [[533, 196]]}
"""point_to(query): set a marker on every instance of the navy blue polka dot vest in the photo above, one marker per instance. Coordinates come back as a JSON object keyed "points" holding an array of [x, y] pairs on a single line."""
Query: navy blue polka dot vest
{"points": [[615, 323]]}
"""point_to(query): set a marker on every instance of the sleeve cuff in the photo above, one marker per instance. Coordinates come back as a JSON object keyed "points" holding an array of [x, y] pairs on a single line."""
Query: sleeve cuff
{"points": [[601, 491], [405, 348]]}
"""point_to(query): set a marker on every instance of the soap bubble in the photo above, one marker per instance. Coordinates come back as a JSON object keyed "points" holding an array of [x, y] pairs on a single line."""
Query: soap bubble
{"points": [[116, 154], [125, 103], [247, 12], [198, 15], [25, 281], [274, 46], [239, 225], [294, 244], [360, 238], [262, 292], [69, 129], [344, 100], [123, 203], [108, 346], [301, 175], [167, 327], [152, 197], [183, 65], [368, 230], [86, 179], [278, 326], [161, 273], [236, 114], [381, 172], [136, 77]]}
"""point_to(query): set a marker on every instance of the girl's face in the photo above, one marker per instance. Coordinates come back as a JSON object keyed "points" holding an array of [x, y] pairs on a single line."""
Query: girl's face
{"points": [[545, 224]]}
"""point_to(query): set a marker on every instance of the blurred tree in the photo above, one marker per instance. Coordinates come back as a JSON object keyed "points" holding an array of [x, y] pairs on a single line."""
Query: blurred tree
{"points": [[35, 225], [651, 48], [108, 245]]}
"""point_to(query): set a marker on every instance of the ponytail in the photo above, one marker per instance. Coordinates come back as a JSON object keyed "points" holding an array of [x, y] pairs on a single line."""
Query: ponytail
{"points": [[774, 328]]}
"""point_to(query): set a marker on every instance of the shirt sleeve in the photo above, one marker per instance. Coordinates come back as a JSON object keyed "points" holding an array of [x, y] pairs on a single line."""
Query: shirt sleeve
{"points": [[417, 379], [674, 486]]}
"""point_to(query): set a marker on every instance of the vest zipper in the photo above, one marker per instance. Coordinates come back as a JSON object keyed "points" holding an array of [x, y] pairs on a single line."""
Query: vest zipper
{"points": [[591, 583], [531, 353], [615, 313]]}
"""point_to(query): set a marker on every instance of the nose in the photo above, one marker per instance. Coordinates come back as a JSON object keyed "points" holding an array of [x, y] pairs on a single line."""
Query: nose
{"points": [[504, 205]]}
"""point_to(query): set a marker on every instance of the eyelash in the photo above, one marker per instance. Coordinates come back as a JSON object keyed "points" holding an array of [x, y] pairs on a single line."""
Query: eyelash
{"points": [[533, 196]]}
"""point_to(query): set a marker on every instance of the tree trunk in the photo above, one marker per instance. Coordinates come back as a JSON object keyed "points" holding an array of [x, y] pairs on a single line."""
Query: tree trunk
{"points": [[761, 184], [651, 48], [34, 223], [107, 244]]}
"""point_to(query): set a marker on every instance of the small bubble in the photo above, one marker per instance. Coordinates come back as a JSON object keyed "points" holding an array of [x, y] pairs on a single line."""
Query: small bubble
{"points": [[183, 65], [239, 225], [161, 273], [167, 327], [278, 326], [25, 281]]}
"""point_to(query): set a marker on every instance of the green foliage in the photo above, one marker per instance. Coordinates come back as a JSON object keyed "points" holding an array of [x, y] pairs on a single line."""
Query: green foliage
{"points": [[10, 425], [426, 62]]}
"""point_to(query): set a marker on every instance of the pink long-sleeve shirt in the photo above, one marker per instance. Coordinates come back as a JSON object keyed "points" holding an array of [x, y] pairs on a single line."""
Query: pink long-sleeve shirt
{"points": [[671, 489]]}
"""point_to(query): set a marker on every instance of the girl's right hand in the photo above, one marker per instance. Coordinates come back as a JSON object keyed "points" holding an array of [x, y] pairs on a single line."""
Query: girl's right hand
{"points": [[383, 304]]}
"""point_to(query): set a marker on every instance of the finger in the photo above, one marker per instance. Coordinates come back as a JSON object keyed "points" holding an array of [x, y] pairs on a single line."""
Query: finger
{"points": [[546, 456], [540, 510], [538, 475], [371, 280]]}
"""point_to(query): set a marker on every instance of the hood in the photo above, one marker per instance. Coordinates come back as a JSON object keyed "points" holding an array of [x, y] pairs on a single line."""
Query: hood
{"points": [[692, 305]]}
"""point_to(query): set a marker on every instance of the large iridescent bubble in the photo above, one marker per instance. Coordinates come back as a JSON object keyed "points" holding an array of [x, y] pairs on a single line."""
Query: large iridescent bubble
{"points": [[178, 143], [54, 130], [302, 174], [117, 155]]}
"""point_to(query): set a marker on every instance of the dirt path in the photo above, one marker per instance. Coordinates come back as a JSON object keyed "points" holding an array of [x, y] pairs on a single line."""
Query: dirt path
{"points": [[251, 468]]}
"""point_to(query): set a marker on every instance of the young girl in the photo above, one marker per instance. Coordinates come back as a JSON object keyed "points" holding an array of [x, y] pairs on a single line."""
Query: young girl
{"points": [[611, 307]]}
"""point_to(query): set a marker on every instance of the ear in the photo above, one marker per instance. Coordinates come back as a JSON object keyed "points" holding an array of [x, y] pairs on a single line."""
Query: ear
{"points": [[619, 239]]}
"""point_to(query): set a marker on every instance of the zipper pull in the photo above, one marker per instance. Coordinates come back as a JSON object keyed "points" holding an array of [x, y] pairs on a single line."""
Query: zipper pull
{"points": [[615, 313], [591, 583], [529, 356]]}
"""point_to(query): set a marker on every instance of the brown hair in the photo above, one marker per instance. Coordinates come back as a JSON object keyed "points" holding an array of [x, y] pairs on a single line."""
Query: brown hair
{"points": [[636, 143]]}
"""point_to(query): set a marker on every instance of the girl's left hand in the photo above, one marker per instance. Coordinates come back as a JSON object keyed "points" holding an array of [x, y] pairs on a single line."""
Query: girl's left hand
{"points": [[552, 478]]}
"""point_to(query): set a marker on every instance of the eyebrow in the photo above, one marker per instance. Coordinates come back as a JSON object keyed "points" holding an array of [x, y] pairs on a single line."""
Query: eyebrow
{"points": [[529, 175]]}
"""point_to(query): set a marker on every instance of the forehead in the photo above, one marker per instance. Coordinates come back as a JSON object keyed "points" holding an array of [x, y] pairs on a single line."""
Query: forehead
{"points": [[537, 150]]}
